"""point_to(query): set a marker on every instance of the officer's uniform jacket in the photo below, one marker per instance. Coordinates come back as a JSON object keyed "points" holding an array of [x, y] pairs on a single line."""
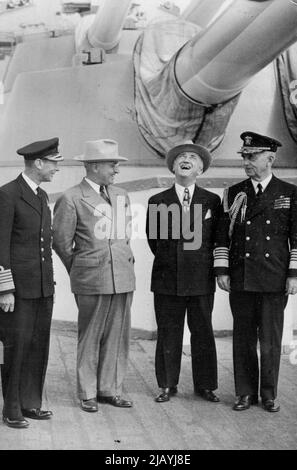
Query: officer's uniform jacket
{"points": [[25, 242], [176, 270], [256, 241], [91, 239]]}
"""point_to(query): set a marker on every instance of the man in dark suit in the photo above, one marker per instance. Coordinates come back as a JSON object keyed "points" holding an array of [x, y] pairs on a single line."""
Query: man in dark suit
{"points": [[256, 261], [180, 232], [26, 283]]}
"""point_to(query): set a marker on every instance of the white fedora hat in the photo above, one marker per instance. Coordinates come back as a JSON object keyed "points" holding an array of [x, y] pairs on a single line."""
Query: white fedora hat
{"points": [[103, 150]]}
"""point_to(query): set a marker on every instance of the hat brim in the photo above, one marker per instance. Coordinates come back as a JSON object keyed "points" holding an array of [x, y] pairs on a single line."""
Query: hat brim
{"points": [[203, 153], [83, 158]]}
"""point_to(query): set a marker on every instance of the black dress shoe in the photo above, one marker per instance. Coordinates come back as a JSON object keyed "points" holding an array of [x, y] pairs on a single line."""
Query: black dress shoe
{"points": [[91, 405], [16, 423], [116, 401], [208, 395], [271, 406], [244, 402], [165, 394], [37, 413]]}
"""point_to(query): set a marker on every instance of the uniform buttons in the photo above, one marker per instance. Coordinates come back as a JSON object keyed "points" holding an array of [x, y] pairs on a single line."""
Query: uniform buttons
{"points": [[247, 255], [268, 221], [248, 222], [267, 255], [247, 238], [42, 249], [42, 239], [42, 259], [267, 238]]}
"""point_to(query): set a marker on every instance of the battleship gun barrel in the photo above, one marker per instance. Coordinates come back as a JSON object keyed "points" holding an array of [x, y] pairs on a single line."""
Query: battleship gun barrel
{"points": [[201, 12], [215, 66], [105, 30]]}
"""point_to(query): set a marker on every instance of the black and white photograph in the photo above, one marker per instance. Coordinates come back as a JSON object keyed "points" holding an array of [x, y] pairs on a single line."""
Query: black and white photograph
{"points": [[148, 228]]}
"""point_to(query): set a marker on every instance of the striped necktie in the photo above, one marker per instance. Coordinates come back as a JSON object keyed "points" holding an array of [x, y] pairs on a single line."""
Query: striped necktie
{"points": [[186, 199]]}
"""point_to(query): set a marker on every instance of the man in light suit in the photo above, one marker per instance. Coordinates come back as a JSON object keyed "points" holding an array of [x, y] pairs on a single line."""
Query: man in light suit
{"points": [[92, 240], [26, 283], [182, 276], [256, 262]]}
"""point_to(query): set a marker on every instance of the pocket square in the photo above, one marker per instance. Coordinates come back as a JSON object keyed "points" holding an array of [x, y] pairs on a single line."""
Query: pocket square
{"points": [[208, 214]]}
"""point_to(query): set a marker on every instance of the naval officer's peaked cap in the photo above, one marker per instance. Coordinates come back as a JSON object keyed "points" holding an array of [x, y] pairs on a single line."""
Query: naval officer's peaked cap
{"points": [[254, 143], [43, 149]]}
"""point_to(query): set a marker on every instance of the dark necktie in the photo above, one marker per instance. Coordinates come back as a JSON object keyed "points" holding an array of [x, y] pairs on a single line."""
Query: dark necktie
{"points": [[260, 190], [186, 200], [103, 194], [41, 197]]}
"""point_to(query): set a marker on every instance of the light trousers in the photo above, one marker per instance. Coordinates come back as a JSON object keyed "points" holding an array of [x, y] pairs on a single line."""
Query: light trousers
{"points": [[103, 343]]}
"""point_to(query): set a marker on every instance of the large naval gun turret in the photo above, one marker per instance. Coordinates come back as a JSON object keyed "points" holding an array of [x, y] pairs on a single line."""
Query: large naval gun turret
{"points": [[221, 67], [185, 79]]}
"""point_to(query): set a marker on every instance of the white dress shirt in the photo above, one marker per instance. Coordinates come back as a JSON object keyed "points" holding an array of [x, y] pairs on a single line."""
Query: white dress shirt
{"points": [[263, 183], [30, 183], [95, 186], [180, 191]]}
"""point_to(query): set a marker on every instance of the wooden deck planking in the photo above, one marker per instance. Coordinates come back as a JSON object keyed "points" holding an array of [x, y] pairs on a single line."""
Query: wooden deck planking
{"points": [[187, 422]]}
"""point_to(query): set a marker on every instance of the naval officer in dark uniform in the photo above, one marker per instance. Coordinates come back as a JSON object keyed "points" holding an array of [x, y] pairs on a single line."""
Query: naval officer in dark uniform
{"points": [[182, 276], [256, 261], [26, 283]]}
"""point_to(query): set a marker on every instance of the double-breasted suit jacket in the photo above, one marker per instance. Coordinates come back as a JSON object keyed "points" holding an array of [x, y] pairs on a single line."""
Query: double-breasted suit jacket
{"points": [[91, 239], [262, 250], [180, 271], [25, 242], [257, 247], [26, 270]]}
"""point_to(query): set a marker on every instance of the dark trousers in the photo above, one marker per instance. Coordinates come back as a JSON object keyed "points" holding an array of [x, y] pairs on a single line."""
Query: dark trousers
{"points": [[170, 316], [25, 334], [257, 316]]}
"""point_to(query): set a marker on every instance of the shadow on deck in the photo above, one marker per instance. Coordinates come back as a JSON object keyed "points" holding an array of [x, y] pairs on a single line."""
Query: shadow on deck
{"points": [[185, 423]]}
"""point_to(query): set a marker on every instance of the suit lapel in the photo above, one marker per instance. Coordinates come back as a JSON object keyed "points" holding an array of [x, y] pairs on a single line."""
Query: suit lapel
{"points": [[28, 195], [171, 197], [198, 198], [112, 194], [198, 216], [90, 196]]}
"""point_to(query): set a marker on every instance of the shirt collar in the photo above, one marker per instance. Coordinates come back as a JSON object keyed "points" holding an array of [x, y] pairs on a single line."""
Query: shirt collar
{"points": [[181, 189], [30, 183], [93, 185], [264, 183]]}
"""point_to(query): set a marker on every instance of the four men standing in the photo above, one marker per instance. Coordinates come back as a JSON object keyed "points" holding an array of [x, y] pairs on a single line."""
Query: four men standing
{"points": [[255, 234]]}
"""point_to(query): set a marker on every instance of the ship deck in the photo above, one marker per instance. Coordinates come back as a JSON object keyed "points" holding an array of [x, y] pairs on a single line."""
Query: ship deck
{"points": [[185, 423]]}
